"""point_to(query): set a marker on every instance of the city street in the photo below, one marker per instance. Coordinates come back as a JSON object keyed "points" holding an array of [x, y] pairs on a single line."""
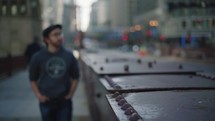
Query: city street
{"points": [[18, 102], [123, 48]]}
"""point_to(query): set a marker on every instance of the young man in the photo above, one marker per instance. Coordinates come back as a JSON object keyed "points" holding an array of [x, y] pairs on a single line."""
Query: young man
{"points": [[54, 76]]}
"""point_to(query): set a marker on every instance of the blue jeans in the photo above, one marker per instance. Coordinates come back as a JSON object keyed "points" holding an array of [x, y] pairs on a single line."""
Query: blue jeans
{"points": [[56, 110]]}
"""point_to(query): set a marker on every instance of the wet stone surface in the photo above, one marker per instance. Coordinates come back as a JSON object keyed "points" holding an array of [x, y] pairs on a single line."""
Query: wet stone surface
{"points": [[169, 105]]}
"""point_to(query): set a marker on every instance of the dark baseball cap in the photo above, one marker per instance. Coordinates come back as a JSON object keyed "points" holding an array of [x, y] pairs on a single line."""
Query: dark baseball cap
{"points": [[49, 29]]}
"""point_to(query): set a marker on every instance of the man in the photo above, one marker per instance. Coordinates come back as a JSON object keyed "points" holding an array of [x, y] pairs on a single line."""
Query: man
{"points": [[54, 76], [32, 48]]}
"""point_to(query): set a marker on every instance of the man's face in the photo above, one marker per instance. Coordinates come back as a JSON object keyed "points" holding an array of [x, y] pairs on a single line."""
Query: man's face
{"points": [[55, 38]]}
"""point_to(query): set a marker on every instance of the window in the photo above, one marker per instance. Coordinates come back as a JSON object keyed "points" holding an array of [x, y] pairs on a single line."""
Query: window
{"points": [[194, 23], [34, 8], [4, 7], [206, 24], [22, 7], [183, 24], [213, 23], [14, 7], [199, 23], [33, 3]]}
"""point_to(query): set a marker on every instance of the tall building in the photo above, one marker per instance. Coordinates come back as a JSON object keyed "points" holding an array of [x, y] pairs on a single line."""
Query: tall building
{"points": [[52, 12], [138, 7], [123, 12], [119, 10], [109, 15], [100, 16], [69, 19], [103, 13], [93, 24], [116, 14]]}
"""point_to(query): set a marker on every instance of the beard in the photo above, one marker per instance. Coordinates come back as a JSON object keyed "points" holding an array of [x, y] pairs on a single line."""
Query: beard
{"points": [[56, 44]]}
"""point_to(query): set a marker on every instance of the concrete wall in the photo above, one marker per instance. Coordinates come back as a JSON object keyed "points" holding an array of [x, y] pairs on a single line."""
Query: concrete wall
{"points": [[16, 33]]}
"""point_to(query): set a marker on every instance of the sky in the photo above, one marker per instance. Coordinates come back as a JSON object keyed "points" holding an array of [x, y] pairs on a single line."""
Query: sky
{"points": [[85, 12]]}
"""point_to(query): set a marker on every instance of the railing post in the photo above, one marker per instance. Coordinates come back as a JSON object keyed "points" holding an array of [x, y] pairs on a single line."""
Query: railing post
{"points": [[9, 59]]}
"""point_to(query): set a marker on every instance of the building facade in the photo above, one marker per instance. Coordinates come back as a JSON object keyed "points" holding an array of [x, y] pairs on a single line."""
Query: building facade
{"points": [[93, 24], [69, 20], [110, 15], [20, 21], [119, 10], [183, 20], [52, 12]]}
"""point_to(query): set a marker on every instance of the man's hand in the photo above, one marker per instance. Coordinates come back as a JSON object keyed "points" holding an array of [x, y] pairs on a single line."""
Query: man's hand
{"points": [[39, 96], [42, 98], [73, 87]]}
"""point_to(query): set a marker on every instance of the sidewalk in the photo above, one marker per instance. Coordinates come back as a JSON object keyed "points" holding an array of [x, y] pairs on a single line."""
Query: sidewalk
{"points": [[18, 103]]}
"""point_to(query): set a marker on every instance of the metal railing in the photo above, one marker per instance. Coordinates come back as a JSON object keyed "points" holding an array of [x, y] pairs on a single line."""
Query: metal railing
{"points": [[10, 64]]}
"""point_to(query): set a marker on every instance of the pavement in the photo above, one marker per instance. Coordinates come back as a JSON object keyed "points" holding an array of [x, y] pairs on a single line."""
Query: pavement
{"points": [[18, 102]]}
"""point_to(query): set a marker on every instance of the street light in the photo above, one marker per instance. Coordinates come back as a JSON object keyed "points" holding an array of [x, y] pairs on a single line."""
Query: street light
{"points": [[153, 23], [138, 27]]}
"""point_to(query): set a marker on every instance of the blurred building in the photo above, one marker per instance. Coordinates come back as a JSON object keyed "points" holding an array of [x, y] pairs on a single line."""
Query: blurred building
{"points": [[119, 10], [100, 16], [109, 15], [69, 19], [192, 21], [93, 18], [20, 21], [103, 14], [52, 12], [179, 20], [115, 14], [138, 7]]}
